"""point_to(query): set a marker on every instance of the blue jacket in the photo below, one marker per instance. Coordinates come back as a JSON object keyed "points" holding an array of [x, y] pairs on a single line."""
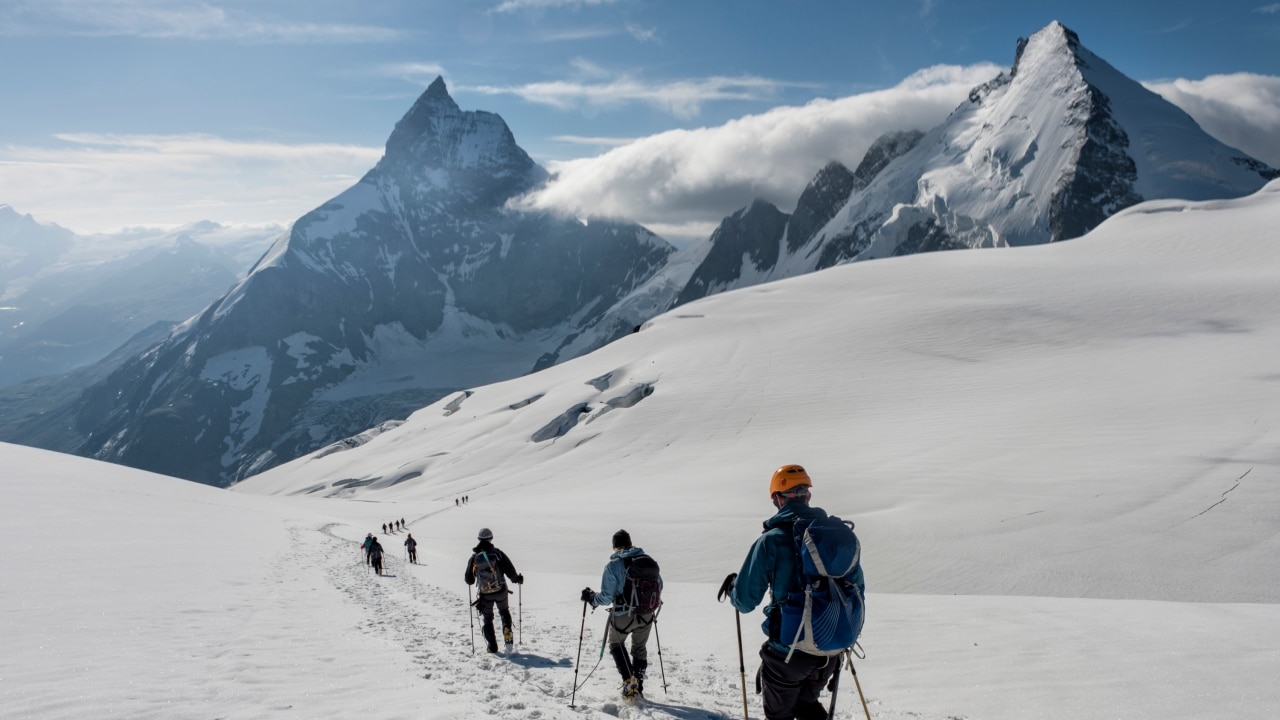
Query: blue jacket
{"points": [[615, 576], [771, 564]]}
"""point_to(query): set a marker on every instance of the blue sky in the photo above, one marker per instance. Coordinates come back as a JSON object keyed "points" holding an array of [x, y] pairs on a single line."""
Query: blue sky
{"points": [[125, 112]]}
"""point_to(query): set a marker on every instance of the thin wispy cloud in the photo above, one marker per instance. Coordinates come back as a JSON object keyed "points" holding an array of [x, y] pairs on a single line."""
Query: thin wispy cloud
{"points": [[175, 179], [419, 73], [574, 34], [516, 5], [1272, 8], [172, 19], [595, 141], [644, 35], [681, 98], [1176, 27]]}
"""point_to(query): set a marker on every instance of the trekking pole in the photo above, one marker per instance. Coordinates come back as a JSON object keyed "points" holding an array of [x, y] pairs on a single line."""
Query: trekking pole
{"points": [[725, 590], [742, 664], [858, 685], [520, 613], [578, 664], [472, 617], [835, 689], [657, 637]]}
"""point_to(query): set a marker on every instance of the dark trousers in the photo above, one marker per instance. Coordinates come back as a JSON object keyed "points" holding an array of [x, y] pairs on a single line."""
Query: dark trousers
{"points": [[637, 627], [485, 604], [791, 689]]}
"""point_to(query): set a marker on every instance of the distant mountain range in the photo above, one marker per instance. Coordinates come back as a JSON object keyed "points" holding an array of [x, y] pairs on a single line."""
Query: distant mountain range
{"points": [[68, 300], [419, 280]]}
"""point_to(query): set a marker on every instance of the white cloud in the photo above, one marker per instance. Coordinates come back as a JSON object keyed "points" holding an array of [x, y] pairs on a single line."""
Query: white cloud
{"points": [[594, 140], [1240, 109], [686, 181], [515, 5], [1272, 8], [171, 19], [643, 34], [93, 183], [422, 73], [680, 98]]}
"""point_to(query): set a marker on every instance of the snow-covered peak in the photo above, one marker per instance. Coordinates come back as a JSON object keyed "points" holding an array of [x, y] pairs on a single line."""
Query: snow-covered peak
{"points": [[436, 133]]}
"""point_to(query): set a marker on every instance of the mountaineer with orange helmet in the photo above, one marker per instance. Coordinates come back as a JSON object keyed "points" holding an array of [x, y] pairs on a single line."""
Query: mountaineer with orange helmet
{"points": [[790, 679]]}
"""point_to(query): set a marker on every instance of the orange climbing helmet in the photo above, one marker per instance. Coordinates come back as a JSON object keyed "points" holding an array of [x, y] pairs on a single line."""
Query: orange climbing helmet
{"points": [[788, 477]]}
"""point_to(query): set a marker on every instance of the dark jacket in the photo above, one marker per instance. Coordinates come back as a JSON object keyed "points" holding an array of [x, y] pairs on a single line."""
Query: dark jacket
{"points": [[500, 559]]}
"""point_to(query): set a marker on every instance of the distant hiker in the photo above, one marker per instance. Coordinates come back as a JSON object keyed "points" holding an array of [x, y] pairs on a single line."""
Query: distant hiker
{"points": [[369, 540], [485, 570], [455, 502], [632, 586], [797, 661], [384, 528], [375, 556], [412, 546]]}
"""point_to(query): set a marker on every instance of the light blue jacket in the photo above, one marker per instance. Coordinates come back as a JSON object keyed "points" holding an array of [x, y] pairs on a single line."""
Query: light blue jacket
{"points": [[615, 576], [771, 565]]}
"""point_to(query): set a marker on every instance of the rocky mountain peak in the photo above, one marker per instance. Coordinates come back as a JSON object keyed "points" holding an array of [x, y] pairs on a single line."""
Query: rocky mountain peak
{"points": [[1055, 39], [436, 133]]}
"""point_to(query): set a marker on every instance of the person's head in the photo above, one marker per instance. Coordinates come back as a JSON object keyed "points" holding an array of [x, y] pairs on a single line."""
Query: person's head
{"points": [[485, 535], [790, 483], [621, 540]]}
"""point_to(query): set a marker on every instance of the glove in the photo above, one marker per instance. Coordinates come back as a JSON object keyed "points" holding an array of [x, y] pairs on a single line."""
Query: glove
{"points": [[588, 595], [519, 579], [726, 587]]}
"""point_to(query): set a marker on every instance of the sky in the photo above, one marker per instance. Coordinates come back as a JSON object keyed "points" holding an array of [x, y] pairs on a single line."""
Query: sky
{"points": [[146, 112], [1062, 462]]}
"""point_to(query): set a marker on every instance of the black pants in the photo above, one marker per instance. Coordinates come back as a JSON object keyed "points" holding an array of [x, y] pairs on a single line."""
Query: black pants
{"points": [[413, 555], [485, 603], [791, 689]]}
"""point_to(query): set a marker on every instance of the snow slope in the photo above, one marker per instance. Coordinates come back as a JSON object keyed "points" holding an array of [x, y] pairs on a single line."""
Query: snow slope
{"points": [[1061, 461], [1073, 420]]}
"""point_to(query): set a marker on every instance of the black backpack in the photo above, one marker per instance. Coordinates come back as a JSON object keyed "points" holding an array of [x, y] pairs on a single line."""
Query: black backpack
{"points": [[642, 592]]}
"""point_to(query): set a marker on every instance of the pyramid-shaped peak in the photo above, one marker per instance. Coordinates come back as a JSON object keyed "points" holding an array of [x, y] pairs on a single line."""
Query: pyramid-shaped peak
{"points": [[1054, 39], [436, 133], [436, 91], [431, 106]]}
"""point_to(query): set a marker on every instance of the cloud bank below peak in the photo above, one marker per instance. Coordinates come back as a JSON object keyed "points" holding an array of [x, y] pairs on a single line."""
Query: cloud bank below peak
{"points": [[686, 180], [680, 183], [1240, 109]]}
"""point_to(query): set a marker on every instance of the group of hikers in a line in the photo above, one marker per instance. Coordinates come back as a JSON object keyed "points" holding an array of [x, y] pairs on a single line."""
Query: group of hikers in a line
{"points": [[806, 560], [461, 500], [373, 551], [393, 526]]}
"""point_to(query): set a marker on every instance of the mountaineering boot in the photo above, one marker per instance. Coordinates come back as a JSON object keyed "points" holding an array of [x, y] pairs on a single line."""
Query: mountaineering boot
{"points": [[506, 635], [630, 689]]}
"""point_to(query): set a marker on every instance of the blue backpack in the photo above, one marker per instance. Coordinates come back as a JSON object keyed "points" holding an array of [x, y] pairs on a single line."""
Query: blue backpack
{"points": [[824, 614]]}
